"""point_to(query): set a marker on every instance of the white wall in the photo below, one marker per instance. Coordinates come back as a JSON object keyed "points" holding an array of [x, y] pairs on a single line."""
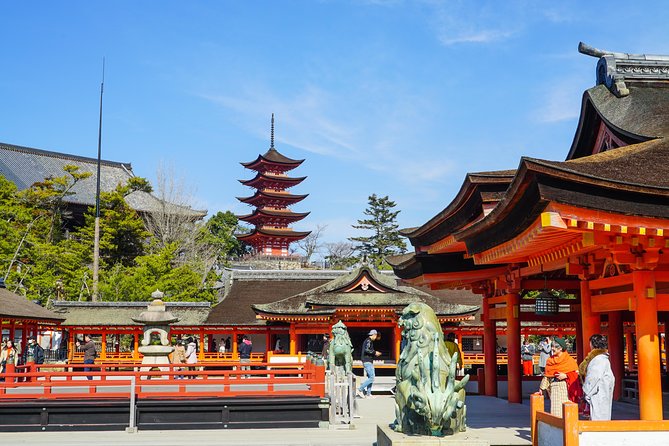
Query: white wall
{"points": [[548, 435], [623, 438]]}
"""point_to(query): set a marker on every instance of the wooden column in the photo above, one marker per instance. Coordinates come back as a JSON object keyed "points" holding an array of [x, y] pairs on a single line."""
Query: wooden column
{"points": [[135, 345], [579, 342], [268, 341], [515, 384], [235, 344], [103, 345], [200, 355], [647, 338], [616, 354], [589, 321], [489, 350], [293, 339], [629, 348], [397, 332]]}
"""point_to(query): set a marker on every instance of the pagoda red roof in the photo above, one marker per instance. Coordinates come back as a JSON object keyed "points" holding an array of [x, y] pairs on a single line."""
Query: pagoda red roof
{"points": [[259, 216], [263, 198], [265, 233], [270, 181], [272, 160]]}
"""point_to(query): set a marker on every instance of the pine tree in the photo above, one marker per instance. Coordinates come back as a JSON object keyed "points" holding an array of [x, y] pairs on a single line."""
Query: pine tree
{"points": [[386, 239]]}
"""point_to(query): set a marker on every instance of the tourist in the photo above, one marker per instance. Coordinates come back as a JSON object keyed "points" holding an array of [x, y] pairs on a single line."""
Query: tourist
{"points": [[544, 353], [228, 344], [90, 353], [561, 377], [325, 352], [527, 355], [221, 349], [368, 354], [191, 355], [34, 353], [245, 349], [278, 347], [598, 379], [179, 357], [452, 348], [9, 357]]}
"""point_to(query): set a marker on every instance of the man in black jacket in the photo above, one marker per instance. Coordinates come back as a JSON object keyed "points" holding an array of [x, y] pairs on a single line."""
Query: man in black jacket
{"points": [[367, 356], [33, 353]]}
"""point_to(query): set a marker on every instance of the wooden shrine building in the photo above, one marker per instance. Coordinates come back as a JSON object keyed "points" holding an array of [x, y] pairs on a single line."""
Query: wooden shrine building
{"points": [[363, 299], [272, 235], [595, 225]]}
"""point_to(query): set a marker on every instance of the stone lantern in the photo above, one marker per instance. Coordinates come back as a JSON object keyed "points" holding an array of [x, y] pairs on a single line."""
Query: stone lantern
{"points": [[156, 320]]}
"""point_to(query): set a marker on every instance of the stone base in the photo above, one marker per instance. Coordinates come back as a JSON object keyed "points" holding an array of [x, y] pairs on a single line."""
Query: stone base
{"points": [[385, 436], [151, 362]]}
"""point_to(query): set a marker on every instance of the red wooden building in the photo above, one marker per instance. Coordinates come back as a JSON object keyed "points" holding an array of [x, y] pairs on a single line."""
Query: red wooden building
{"points": [[594, 225]]}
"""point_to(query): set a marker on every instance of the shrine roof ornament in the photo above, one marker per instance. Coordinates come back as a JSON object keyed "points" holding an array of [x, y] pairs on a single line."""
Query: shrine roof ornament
{"points": [[615, 69]]}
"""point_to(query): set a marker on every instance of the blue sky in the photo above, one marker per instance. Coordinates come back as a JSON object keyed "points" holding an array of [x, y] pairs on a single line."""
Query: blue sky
{"points": [[397, 98]]}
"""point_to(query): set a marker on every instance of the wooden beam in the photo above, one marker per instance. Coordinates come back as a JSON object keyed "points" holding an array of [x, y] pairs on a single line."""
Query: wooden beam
{"points": [[554, 284], [603, 303], [497, 314], [610, 282]]}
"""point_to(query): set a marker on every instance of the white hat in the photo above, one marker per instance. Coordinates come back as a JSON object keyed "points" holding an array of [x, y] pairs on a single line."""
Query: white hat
{"points": [[372, 332]]}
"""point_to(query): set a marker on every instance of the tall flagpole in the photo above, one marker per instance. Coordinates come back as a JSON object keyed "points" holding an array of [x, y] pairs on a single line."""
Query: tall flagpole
{"points": [[96, 240]]}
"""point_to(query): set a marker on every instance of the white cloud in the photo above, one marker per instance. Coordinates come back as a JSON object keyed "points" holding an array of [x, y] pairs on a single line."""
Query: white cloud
{"points": [[561, 101], [328, 124]]}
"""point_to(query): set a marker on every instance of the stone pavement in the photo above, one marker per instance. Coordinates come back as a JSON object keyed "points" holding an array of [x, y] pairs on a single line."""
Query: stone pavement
{"points": [[489, 418]]}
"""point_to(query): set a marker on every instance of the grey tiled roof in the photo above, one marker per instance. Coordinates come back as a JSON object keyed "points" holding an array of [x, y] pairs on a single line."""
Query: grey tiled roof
{"points": [[25, 166], [13, 306], [121, 313]]}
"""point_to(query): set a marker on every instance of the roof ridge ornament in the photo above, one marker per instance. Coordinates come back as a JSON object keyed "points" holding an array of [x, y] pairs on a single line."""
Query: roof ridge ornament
{"points": [[614, 69]]}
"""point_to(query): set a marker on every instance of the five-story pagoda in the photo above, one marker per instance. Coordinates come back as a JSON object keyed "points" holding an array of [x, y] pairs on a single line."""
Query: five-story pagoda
{"points": [[271, 235]]}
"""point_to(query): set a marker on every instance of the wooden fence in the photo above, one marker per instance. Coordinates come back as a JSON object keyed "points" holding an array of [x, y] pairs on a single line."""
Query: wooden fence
{"points": [[120, 380], [549, 430]]}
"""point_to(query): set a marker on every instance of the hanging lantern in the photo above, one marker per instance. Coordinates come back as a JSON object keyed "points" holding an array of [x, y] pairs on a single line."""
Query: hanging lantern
{"points": [[546, 304]]}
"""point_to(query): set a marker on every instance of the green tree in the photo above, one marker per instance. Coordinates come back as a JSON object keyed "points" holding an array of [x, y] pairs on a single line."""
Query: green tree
{"points": [[385, 239], [156, 271], [123, 236], [219, 234]]}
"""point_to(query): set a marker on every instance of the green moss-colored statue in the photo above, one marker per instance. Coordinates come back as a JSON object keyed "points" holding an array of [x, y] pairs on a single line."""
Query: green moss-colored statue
{"points": [[429, 400], [341, 348]]}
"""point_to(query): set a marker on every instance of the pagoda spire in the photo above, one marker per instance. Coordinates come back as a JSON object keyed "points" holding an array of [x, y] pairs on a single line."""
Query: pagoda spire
{"points": [[271, 143]]}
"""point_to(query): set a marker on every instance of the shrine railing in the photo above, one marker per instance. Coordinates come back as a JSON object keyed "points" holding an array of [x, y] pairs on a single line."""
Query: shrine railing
{"points": [[547, 428], [72, 381]]}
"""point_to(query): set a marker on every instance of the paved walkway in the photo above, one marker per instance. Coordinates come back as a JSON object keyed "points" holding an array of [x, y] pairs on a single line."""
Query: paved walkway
{"points": [[489, 418]]}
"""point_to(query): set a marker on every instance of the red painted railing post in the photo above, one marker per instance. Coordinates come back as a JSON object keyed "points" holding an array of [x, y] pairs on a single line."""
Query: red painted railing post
{"points": [[319, 380], [536, 405], [570, 417]]}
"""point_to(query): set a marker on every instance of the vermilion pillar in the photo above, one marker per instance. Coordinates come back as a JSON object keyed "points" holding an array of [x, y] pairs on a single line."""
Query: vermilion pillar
{"points": [[580, 342], [648, 346], [397, 333], [589, 321], [616, 354], [629, 349], [513, 348], [489, 350], [293, 339]]}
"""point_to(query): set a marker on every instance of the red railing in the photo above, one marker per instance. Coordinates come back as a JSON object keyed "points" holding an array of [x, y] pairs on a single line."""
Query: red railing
{"points": [[46, 381]]}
